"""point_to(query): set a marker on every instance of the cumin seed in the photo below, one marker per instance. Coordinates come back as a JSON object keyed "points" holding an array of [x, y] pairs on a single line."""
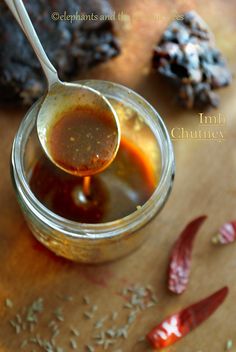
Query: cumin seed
{"points": [[229, 345], [73, 344], [114, 315], [24, 343], [75, 331], [86, 299], [8, 303], [90, 348]]}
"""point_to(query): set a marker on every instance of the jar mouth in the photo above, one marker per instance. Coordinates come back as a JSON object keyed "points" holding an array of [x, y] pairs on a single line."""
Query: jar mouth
{"points": [[98, 231]]}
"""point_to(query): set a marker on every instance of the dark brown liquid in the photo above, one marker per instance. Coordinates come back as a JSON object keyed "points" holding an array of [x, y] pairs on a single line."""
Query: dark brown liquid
{"points": [[127, 183], [83, 141]]}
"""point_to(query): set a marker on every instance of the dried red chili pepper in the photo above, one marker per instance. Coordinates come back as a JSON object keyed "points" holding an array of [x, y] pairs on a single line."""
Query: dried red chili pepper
{"points": [[226, 234], [180, 259], [180, 324]]}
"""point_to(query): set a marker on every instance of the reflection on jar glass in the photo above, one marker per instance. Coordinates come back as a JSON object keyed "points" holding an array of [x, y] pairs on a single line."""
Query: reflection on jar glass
{"points": [[124, 197]]}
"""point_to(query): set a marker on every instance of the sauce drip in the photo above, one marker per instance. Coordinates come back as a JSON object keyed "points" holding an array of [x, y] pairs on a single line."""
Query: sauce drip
{"points": [[83, 141], [127, 183]]}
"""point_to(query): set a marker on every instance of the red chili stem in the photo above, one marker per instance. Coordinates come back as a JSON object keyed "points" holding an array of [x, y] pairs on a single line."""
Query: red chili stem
{"points": [[180, 258], [180, 324]]}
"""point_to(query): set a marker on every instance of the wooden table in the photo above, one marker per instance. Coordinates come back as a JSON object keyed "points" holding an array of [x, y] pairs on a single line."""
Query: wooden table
{"points": [[205, 184]]}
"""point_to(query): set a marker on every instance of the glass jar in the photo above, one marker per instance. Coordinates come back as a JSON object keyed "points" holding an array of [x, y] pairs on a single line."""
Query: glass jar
{"points": [[94, 243]]}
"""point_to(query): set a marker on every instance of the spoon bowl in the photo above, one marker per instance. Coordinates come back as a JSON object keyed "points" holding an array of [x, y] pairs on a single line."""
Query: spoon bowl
{"points": [[67, 97]]}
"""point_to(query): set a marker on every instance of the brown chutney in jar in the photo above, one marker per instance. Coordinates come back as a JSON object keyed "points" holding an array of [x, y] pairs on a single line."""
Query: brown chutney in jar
{"points": [[119, 190], [116, 192]]}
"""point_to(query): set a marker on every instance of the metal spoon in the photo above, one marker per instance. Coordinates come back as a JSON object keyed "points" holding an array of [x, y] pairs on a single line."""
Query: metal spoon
{"points": [[62, 96]]}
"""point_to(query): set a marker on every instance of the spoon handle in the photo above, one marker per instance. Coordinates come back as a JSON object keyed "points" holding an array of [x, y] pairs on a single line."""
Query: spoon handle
{"points": [[20, 13]]}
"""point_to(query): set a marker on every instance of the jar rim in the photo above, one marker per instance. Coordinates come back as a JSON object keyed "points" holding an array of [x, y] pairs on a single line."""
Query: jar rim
{"points": [[117, 227]]}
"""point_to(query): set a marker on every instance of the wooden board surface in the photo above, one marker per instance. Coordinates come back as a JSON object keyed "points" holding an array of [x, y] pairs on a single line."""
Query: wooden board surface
{"points": [[205, 184]]}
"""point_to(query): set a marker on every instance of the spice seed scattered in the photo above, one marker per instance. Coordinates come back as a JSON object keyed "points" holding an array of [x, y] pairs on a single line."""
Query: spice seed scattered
{"points": [[18, 318], [24, 343], [114, 315], [75, 331], [34, 309], [8, 303], [229, 345], [90, 348], [88, 315], [107, 343], [86, 300], [94, 308], [73, 344], [65, 298], [128, 305], [58, 314]]}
